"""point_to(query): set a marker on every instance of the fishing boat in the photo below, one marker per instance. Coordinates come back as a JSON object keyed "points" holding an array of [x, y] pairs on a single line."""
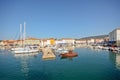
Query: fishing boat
{"points": [[69, 54]]}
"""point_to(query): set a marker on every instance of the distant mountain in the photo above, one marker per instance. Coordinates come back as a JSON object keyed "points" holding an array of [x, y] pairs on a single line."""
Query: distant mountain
{"points": [[96, 37]]}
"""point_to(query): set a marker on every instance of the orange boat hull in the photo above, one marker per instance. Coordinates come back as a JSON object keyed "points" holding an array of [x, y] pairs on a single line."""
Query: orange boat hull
{"points": [[69, 54]]}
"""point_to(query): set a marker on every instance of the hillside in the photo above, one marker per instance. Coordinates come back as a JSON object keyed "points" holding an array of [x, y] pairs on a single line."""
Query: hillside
{"points": [[95, 37]]}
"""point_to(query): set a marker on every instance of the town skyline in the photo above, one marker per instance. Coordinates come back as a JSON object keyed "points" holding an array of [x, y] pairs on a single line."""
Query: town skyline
{"points": [[58, 19]]}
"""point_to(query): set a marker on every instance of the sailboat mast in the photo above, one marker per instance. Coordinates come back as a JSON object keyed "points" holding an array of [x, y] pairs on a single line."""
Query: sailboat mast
{"points": [[21, 33], [24, 33]]}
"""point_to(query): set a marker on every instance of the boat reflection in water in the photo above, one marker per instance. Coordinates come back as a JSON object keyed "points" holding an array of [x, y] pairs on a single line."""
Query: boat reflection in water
{"points": [[51, 58], [25, 55], [118, 61], [69, 58], [24, 59]]}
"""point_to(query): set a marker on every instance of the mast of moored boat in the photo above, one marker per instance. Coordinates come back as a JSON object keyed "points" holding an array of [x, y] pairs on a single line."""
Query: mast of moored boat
{"points": [[24, 34], [21, 43]]}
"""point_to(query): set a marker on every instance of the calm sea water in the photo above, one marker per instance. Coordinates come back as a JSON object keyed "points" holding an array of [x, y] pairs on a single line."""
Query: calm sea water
{"points": [[89, 65]]}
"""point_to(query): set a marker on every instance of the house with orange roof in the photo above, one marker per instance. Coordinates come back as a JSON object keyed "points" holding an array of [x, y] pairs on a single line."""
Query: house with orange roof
{"points": [[9, 43], [32, 41]]}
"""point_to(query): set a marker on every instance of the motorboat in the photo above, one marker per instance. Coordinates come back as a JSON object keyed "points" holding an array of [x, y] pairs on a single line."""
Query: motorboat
{"points": [[69, 54]]}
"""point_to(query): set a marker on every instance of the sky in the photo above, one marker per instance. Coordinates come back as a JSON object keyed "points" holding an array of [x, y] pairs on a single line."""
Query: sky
{"points": [[58, 18]]}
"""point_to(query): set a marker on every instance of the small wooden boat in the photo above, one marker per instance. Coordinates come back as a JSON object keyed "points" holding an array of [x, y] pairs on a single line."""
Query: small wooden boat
{"points": [[69, 54]]}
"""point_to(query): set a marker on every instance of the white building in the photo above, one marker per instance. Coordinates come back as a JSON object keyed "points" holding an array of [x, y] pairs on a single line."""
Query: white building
{"points": [[68, 40], [59, 42], [115, 36], [80, 41], [1, 43], [43, 42], [90, 41]]}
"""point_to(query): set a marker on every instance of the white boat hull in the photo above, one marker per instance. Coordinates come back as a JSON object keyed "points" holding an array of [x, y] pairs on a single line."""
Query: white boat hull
{"points": [[15, 49], [25, 51]]}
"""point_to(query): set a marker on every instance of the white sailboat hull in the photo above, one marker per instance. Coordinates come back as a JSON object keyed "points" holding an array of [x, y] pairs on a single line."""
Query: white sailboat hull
{"points": [[19, 48], [25, 51]]}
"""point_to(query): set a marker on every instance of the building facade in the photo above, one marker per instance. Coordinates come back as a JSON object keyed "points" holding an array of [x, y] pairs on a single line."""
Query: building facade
{"points": [[51, 41], [32, 41], [80, 41], [68, 41], [114, 36], [47, 42]]}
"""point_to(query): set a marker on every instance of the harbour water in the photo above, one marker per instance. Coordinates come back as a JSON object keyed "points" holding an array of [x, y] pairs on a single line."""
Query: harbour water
{"points": [[88, 65]]}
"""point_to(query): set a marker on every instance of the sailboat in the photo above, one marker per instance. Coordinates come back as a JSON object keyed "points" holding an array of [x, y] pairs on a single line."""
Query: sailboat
{"points": [[20, 46], [25, 49]]}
